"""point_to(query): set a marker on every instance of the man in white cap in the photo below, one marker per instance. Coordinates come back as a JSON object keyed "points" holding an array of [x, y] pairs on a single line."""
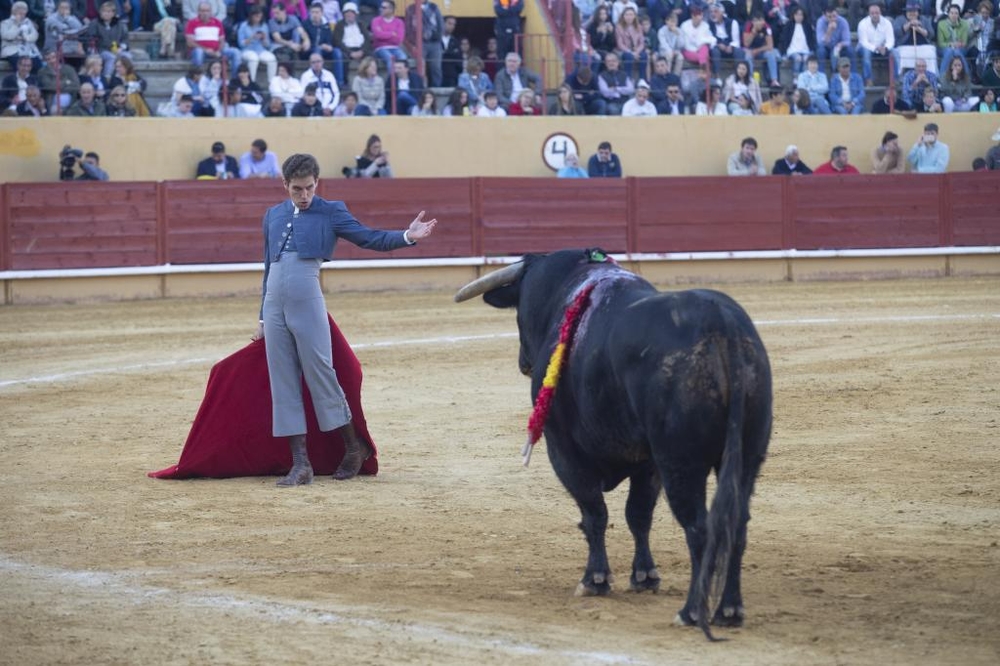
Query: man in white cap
{"points": [[993, 154], [639, 105], [790, 164]]}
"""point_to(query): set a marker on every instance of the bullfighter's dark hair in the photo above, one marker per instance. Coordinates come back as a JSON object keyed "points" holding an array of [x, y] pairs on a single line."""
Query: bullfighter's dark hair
{"points": [[300, 165]]}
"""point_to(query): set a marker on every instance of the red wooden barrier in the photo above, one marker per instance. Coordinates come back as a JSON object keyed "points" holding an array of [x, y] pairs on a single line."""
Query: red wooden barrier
{"points": [[217, 221], [392, 204], [4, 229], [975, 208], [538, 215], [866, 211], [708, 214], [81, 224], [89, 224]]}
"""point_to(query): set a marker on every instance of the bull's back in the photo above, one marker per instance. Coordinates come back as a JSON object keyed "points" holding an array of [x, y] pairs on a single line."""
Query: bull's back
{"points": [[669, 360]]}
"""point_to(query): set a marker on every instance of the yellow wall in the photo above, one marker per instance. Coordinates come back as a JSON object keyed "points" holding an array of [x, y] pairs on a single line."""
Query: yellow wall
{"points": [[162, 149], [471, 8]]}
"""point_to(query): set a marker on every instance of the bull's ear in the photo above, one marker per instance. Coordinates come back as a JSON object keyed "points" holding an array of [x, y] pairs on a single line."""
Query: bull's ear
{"points": [[506, 296]]}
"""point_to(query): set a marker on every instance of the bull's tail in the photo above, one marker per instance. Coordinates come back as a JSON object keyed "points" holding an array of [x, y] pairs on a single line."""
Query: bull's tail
{"points": [[726, 510]]}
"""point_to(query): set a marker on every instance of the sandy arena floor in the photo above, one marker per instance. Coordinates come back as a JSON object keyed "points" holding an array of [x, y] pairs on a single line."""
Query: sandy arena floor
{"points": [[875, 537]]}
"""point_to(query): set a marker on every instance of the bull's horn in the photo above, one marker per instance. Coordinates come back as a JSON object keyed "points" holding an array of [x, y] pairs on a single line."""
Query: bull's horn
{"points": [[505, 275]]}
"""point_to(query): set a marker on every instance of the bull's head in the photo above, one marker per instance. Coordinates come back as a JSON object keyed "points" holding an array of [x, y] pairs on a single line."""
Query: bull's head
{"points": [[537, 286]]}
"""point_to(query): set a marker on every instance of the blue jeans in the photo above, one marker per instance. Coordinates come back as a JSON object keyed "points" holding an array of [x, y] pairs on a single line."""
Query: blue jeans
{"points": [[798, 62], [772, 64], [826, 53], [230, 53], [866, 63], [405, 101], [109, 61], [629, 59], [433, 51], [818, 105], [388, 54], [737, 55], [838, 108]]}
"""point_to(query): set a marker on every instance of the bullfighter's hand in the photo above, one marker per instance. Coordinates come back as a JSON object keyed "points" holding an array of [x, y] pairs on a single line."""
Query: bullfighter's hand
{"points": [[259, 333], [420, 229]]}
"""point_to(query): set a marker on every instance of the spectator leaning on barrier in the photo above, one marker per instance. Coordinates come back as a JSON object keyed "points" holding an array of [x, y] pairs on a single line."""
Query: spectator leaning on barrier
{"points": [[604, 163], [837, 165], [790, 164], [259, 162], [746, 161], [887, 157], [993, 154], [219, 165], [571, 168], [928, 155]]}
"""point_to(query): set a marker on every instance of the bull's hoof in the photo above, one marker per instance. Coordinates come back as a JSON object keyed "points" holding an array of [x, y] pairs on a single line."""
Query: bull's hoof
{"points": [[729, 616], [642, 581], [596, 585]]}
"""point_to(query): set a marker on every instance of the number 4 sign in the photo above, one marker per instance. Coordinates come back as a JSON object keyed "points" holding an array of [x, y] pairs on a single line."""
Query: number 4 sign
{"points": [[555, 149]]}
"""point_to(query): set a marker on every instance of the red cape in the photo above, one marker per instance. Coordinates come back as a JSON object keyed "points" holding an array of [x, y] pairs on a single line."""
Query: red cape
{"points": [[231, 435]]}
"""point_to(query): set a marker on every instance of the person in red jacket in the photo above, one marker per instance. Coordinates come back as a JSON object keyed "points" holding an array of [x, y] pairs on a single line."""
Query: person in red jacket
{"points": [[837, 164]]}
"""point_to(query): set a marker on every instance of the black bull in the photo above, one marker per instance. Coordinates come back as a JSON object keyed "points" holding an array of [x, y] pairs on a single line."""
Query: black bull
{"points": [[658, 388]]}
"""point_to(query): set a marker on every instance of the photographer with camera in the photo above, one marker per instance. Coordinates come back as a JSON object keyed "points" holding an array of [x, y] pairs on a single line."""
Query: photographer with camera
{"points": [[373, 163], [89, 163]]}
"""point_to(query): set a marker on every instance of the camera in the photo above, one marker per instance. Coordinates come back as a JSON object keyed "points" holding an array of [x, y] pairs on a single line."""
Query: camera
{"points": [[68, 157]]}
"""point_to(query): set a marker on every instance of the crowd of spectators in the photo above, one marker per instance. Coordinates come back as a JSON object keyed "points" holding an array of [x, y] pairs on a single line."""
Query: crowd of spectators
{"points": [[652, 57], [645, 58], [808, 57]]}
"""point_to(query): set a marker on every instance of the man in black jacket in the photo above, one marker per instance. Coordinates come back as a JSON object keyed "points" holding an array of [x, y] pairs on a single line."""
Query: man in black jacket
{"points": [[219, 165], [409, 88], [790, 164]]}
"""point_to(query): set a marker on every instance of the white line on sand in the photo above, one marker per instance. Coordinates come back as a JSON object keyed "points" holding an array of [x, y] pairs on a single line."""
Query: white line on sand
{"points": [[453, 339], [123, 587]]}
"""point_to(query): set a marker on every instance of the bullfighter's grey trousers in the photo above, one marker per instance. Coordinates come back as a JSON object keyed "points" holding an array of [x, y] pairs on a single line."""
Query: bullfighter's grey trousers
{"points": [[297, 340]]}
